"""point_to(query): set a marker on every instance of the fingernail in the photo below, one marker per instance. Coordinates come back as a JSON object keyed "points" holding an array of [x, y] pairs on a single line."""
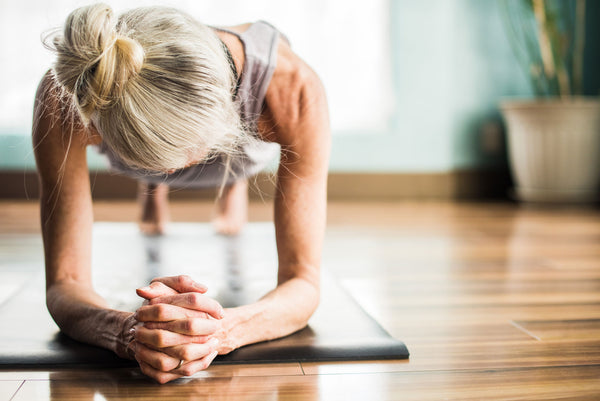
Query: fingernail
{"points": [[214, 354], [222, 313], [147, 288]]}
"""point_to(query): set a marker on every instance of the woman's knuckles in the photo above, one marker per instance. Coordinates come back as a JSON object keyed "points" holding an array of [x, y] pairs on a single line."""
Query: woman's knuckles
{"points": [[185, 281], [154, 338], [151, 312], [198, 301], [159, 376], [163, 379], [188, 354], [157, 360], [161, 339], [192, 304], [145, 368], [159, 364], [204, 363], [162, 312], [190, 326], [202, 303], [167, 364], [188, 370]]}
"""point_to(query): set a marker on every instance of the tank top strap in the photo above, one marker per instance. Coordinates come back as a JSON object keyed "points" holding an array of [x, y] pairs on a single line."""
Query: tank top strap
{"points": [[260, 42]]}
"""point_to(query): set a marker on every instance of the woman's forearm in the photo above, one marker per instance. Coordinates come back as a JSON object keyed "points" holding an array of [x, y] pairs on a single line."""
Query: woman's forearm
{"points": [[282, 311], [84, 316]]}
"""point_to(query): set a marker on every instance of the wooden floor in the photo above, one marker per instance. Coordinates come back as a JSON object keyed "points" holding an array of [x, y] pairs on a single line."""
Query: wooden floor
{"points": [[494, 301]]}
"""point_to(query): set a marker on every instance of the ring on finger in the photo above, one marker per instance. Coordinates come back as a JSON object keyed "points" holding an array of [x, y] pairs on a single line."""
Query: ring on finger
{"points": [[180, 363]]}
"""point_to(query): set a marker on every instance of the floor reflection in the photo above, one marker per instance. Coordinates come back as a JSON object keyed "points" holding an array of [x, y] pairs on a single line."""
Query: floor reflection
{"points": [[232, 276], [153, 249], [129, 385], [234, 290]]}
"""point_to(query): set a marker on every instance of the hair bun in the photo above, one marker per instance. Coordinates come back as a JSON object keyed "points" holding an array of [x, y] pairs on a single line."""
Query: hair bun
{"points": [[95, 57], [131, 53]]}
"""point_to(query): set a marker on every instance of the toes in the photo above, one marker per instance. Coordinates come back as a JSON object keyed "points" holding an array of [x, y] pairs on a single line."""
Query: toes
{"points": [[151, 228], [226, 227]]}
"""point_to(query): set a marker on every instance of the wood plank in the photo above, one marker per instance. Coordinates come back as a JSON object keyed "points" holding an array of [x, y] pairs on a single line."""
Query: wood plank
{"points": [[577, 263], [261, 370], [486, 220], [495, 301], [469, 314], [584, 329], [447, 355], [392, 294], [452, 332], [561, 383]]}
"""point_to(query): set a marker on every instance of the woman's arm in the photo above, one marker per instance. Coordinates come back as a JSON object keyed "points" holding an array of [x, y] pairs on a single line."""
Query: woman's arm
{"points": [[60, 142], [297, 118]]}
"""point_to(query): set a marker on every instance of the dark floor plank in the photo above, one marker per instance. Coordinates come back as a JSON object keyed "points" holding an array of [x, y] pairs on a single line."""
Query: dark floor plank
{"points": [[561, 383]]}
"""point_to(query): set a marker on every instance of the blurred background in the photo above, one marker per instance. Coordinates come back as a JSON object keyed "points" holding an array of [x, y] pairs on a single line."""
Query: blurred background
{"points": [[414, 86]]}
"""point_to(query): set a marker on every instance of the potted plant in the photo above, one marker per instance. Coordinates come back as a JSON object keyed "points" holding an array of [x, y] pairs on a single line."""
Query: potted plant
{"points": [[553, 140]]}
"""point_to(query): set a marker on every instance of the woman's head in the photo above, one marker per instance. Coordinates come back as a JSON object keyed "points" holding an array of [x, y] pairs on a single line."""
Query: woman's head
{"points": [[156, 84]]}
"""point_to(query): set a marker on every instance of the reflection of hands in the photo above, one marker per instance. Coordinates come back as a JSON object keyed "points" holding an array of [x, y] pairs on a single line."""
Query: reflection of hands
{"points": [[121, 384], [177, 334]]}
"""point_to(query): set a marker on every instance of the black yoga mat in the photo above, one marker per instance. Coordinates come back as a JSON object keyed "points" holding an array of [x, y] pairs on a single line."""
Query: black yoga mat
{"points": [[237, 270]]}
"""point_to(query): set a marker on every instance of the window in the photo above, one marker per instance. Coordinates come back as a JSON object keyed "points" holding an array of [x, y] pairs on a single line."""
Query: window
{"points": [[347, 43]]}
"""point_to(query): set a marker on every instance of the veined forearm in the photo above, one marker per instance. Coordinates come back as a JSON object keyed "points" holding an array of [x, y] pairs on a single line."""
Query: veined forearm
{"points": [[282, 311], [84, 316]]}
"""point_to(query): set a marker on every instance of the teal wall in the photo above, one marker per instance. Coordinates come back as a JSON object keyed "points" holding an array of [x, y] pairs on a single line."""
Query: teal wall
{"points": [[16, 153], [451, 64]]}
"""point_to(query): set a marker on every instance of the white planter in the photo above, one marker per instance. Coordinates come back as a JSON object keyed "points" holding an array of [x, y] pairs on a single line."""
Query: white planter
{"points": [[554, 149]]}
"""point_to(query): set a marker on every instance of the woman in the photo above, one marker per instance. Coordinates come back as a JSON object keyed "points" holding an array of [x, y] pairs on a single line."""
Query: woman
{"points": [[171, 101]]}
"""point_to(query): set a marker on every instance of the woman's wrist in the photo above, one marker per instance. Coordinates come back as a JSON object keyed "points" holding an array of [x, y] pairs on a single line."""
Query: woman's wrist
{"points": [[124, 337], [226, 334], [243, 325]]}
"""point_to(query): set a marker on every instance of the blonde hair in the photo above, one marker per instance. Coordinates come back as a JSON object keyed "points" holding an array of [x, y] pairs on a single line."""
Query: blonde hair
{"points": [[156, 84]]}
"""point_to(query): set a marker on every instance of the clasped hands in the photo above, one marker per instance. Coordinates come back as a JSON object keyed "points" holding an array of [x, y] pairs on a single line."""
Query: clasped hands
{"points": [[179, 330]]}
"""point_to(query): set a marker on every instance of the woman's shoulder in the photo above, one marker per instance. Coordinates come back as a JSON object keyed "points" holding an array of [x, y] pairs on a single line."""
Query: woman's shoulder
{"points": [[293, 87], [292, 76], [54, 108]]}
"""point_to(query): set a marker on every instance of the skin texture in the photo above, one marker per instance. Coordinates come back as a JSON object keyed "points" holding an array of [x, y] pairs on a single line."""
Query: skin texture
{"points": [[177, 322]]}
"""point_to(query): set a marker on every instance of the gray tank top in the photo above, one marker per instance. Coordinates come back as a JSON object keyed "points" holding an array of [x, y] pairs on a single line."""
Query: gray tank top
{"points": [[260, 42]]}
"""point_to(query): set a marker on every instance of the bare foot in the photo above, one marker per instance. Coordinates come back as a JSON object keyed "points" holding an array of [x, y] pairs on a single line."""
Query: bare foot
{"points": [[232, 209], [154, 203]]}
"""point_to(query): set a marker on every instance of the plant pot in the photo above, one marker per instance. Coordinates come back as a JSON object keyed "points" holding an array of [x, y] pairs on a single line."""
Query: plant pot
{"points": [[554, 149]]}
